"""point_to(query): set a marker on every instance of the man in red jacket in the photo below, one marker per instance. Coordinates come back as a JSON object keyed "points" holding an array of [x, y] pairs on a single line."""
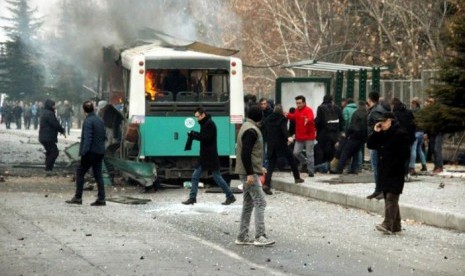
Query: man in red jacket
{"points": [[305, 133]]}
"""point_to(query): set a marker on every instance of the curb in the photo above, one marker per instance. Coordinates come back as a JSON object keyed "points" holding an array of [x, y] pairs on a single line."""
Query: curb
{"points": [[423, 215]]}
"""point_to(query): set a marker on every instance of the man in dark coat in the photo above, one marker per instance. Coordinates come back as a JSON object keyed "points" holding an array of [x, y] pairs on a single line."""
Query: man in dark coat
{"points": [[277, 137], [329, 124], [208, 160], [49, 128], [393, 148], [91, 150]]}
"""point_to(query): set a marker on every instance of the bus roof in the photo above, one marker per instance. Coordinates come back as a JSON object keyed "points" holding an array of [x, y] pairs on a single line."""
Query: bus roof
{"points": [[158, 50]]}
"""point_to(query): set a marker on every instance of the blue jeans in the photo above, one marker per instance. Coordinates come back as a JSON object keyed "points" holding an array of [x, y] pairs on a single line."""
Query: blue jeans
{"points": [[417, 150], [216, 176], [374, 167], [254, 198]]}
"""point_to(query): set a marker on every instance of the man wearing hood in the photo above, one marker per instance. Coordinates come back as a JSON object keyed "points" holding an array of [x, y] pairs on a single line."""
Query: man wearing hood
{"points": [[392, 144], [278, 138], [208, 159], [48, 131]]}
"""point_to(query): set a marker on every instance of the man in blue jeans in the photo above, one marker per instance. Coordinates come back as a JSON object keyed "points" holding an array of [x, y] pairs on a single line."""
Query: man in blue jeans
{"points": [[208, 159], [249, 154], [91, 150]]}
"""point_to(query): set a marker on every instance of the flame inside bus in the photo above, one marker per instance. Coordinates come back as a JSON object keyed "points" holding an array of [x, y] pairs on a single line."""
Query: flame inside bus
{"points": [[150, 86]]}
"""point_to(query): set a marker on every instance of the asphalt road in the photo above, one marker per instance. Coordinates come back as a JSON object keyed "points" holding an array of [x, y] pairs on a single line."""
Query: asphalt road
{"points": [[41, 235]]}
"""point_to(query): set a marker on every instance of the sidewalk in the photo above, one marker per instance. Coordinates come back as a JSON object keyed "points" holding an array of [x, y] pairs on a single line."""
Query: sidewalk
{"points": [[423, 200]]}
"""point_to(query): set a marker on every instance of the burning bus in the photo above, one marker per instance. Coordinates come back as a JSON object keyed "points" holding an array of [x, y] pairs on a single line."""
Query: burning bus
{"points": [[162, 86]]}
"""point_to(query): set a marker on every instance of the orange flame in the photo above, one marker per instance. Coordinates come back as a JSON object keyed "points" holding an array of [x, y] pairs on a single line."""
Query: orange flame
{"points": [[150, 84]]}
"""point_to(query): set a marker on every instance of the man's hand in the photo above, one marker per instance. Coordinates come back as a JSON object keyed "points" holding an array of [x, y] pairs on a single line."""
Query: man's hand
{"points": [[305, 121], [250, 180], [290, 140], [378, 127]]}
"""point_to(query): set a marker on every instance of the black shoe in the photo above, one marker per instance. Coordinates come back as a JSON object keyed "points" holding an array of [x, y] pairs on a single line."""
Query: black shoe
{"points": [[373, 195], [423, 168], [98, 203], [267, 190], [380, 196], [310, 174], [334, 172], [191, 201], [300, 180], [229, 200], [74, 200]]}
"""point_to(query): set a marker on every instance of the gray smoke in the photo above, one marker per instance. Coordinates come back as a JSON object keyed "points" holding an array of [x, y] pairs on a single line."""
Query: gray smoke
{"points": [[84, 27]]}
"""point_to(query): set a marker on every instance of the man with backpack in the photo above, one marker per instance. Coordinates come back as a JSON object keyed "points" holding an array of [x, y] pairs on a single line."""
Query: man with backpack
{"points": [[329, 125]]}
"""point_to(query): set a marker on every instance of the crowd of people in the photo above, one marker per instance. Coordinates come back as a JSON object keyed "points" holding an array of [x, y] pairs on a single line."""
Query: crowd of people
{"points": [[333, 141], [26, 115]]}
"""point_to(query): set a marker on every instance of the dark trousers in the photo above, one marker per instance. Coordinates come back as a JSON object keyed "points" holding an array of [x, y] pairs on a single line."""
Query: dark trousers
{"points": [[272, 159], [95, 161], [349, 150], [51, 154], [391, 212]]}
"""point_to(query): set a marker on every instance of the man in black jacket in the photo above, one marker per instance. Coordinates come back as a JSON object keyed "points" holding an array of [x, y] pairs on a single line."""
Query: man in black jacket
{"points": [[391, 142], [91, 150], [278, 138], [209, 159], [48, 131], [356, 135]]}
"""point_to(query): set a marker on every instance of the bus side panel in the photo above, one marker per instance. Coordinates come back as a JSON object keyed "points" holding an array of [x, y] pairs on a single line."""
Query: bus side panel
{"points": [[167, 136]]}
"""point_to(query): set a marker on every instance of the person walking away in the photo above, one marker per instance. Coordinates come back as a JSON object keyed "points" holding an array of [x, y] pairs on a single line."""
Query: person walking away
{"points": [[249, 167], [91, 150], [417, 149], [66, 116], [392, 144], [27, 116], [208, 159], [356, 135], [375, 113], [329, 124], [305, 133], [48, 130], [278, 137]]}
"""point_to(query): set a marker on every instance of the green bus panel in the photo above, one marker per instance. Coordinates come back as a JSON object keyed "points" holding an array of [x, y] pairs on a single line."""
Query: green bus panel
{"points": [[167, 136]]}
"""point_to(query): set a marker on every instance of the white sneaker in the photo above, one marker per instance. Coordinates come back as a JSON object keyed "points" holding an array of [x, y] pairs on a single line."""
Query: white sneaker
{"points": [[245, 241], [263, 241]]}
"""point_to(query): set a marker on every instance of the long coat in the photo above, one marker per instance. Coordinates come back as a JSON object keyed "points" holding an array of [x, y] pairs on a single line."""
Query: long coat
{"points": [[93, 135], [393, 149], [276, 133], [207, 136]]}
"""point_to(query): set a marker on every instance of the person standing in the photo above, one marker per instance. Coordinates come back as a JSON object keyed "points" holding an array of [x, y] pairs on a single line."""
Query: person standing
{"points": [[305, 133], [49, 128], [91, 150], [208, 159], [18, 114], [249, 154], [375, 113], [278, 139], [27, 116], [416, 149], [329, 124], [392, 144], [66, 116]]}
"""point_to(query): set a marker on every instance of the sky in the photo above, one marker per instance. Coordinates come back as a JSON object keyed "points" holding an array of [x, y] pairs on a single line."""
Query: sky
{"points": [[44, 8]]}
